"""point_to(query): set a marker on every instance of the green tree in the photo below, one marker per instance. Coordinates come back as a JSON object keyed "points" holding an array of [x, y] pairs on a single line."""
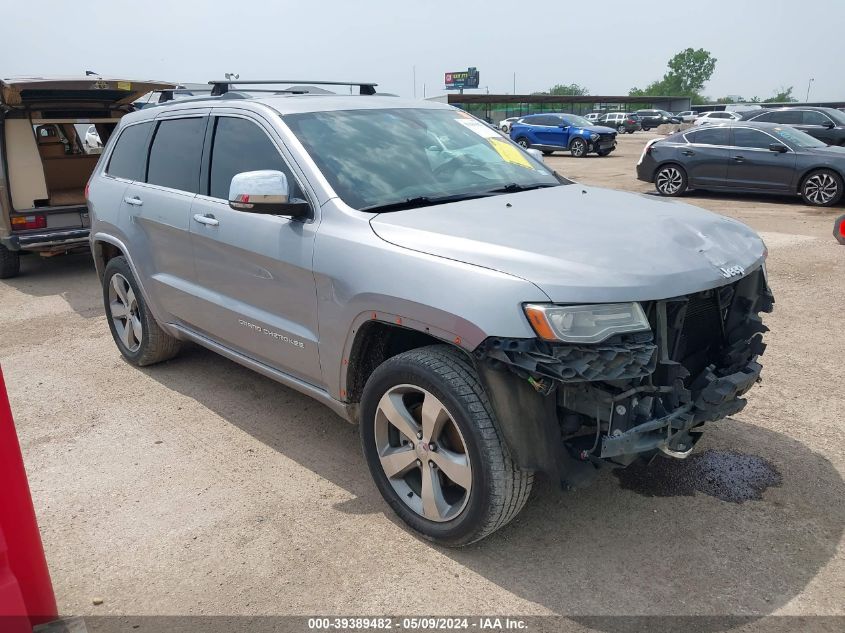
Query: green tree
{"points": [[569, 90], [565, 90], [691, 69], [783, 96], [688, 71]]}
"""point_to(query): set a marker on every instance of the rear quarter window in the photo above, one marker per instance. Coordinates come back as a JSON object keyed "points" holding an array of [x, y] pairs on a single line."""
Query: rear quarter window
{"points": [[130, 153]]}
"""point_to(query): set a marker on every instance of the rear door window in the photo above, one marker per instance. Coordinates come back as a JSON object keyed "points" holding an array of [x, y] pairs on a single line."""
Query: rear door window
{"points": [[710, 136], [240, 145], [130, 153], [176, 153], [788, 117]]}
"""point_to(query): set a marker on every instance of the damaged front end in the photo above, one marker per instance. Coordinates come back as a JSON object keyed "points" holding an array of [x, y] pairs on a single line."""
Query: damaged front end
{"points": [[566, 408]]}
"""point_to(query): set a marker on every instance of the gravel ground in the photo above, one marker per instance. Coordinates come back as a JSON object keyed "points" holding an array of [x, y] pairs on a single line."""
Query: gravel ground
{"points": [[198, 487]]}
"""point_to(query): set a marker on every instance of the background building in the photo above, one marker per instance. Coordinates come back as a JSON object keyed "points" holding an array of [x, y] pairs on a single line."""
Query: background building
{"points": [[497, 107]]}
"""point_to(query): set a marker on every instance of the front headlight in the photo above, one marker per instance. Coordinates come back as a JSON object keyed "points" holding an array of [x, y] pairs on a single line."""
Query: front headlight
{"points": [[585, 323], [594, 137]]}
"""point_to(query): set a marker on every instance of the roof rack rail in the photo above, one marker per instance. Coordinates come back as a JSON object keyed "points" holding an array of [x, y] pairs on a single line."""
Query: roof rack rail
{"points": [[222, 86]]}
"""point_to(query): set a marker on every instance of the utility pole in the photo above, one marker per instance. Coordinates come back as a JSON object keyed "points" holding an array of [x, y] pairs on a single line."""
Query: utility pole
{"points": [[809, 83], [514, 83], [414, 72]]}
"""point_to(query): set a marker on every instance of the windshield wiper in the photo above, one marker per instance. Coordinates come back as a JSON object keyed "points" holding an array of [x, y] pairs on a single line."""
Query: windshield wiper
{"points": [[514, 187], [423, 201]]}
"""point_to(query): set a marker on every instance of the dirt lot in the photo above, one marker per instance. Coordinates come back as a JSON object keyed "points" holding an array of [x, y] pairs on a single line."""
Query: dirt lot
{"points": [[198, 487]]}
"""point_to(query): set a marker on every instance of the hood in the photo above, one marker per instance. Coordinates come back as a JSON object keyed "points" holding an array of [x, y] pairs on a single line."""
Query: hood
{"points": [[583, 244], [834, 151], [599, 129]]}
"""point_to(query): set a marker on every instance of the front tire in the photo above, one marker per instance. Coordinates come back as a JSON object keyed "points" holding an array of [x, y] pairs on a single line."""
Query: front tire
{"points": [[136, 333], [547, 152], [523, 142], [578, 148], [620, 129], [822, 188], [10, 263], [433, 448], [670, 180], [604, 152]]}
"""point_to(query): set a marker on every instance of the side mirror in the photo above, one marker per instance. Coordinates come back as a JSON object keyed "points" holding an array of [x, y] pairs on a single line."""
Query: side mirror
{"points": [[829, 125], [265, 191], [777, 147], [536, 153]]}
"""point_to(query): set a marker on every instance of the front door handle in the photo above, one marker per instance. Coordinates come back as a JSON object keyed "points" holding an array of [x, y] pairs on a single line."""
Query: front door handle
{"points": [[135, 202], [739, 159], [208, 219], [688, 152]]}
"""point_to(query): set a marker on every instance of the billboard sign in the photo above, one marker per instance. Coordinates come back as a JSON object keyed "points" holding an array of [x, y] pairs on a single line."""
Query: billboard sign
{"points": [[462, 79]]}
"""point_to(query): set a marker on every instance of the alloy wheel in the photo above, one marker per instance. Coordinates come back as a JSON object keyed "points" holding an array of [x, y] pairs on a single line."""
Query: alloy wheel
{"points": [[578, 147], [669, 181], [524, 143], [423, 453], [821, 188], [124, 312]]}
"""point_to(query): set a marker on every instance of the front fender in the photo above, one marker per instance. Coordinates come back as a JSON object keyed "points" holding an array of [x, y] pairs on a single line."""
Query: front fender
{"points": [[360, 277]]}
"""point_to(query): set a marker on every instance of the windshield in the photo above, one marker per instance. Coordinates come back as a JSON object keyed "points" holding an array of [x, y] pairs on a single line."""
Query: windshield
{"points": [[374, 158], [796, 138], [577, 121]]}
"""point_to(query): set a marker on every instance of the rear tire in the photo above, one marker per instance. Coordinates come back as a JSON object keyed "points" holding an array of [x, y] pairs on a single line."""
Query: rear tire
{"points": [[136, 333], [670, 180], [822, 188], [620, 129], [442, 381], [10, 263], [523, 142]]}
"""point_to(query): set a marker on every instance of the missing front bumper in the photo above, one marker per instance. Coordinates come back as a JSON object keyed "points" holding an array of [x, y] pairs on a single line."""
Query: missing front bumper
{"points": [[633, 394]]}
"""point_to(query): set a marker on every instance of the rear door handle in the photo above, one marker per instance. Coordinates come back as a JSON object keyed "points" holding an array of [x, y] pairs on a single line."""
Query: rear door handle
{"points": [[208, 220], [135, 202], [688, 152], [739, 159]]}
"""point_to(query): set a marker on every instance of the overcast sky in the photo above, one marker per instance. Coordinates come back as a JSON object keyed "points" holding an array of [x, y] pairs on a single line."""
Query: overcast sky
{"points": [[608, 46]]}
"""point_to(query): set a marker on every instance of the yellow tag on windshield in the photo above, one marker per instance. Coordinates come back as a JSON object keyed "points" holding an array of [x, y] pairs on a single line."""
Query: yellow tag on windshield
{"points": [[510, 153], [124, 85]]}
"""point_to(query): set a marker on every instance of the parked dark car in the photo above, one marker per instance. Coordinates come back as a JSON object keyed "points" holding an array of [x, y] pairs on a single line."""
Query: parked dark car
{"points": [[825, 124], [620, 121], [653, 118], [745, 156], [552, 132]]}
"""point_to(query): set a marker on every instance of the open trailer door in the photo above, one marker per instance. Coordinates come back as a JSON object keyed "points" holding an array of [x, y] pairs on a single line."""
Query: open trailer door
{"points": [[51, 134]]}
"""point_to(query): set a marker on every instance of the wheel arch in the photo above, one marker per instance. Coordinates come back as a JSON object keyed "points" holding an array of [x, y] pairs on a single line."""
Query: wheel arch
{"points": [[673, 162], [810, 170], [105, 247], [380, 336]]}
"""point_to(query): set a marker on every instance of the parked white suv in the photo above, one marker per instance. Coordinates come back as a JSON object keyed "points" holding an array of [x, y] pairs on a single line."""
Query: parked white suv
{"points": [[716, 117]]}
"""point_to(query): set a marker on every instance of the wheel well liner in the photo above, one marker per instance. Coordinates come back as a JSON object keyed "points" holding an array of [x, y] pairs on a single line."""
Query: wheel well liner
{"points": [[103, 253], [374, 343]]}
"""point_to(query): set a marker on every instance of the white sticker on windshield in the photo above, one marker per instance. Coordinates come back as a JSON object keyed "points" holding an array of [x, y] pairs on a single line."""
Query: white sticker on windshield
{"points": [[479, 128]]}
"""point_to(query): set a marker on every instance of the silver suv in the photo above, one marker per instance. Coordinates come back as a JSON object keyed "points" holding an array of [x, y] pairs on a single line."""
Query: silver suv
{"points": [[480, 317]]}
